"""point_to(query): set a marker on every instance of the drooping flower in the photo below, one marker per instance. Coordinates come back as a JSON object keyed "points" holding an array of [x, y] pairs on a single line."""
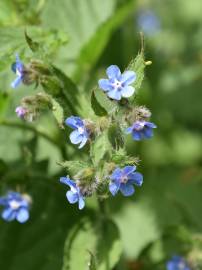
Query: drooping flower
{"points": [[124, 179], [177, 263], [81, 133], [16, 206], [21, 112], [19, 69], [141, 130], [118, 85], [74, 194]]}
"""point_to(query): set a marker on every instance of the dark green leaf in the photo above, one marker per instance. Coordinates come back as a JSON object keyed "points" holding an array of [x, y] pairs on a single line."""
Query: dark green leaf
{"points": [[88, 238], [98, 110], [104, 101]]}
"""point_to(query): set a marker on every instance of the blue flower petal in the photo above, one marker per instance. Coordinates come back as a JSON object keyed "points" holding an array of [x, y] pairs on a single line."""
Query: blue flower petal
{"points": [[16, 82], [76, 137], [128, 130], [127, 91], [81, 203], [128, 77], [127, 189], [105, 85], [22, 215], [135, 178], [148, 132], [151, 125], [67, 181], [114, 94], [128, 169], [114, 188], [74, 122], [72, 197], [113, 72], [8, 214], [117, 174], [136, 135], [84, 140]]}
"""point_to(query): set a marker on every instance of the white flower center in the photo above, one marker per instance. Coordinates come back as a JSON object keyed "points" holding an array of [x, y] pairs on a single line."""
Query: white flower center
{"points": [[14, 204], [117, 84], [81, 130], [124, 179]]}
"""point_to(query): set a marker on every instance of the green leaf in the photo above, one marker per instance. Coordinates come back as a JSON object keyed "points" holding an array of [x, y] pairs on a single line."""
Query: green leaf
{"points": [[86, 240], [34, 46], [97, 108], [74, 166], [100, 148], [104, 102], [138, 66], [91, 52], [58, 112]]}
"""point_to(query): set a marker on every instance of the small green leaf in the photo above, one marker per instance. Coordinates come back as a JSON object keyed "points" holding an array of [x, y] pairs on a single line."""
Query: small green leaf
{"points": [[97, 108], [104, 102], [74, 166], [138, 66], [34, 46], [102, 243], [100, 148], [58, 112]]}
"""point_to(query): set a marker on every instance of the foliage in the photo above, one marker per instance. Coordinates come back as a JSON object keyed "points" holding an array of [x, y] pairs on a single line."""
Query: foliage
{"points": [[70, 45]]}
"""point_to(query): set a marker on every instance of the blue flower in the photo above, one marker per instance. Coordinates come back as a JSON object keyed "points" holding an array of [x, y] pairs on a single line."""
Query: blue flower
{"points": [[118, 85], [141, 130], [124, 179], [177, 263], [81, 133], [148, 22], [18, 68], [74, 194], [16, 206]]}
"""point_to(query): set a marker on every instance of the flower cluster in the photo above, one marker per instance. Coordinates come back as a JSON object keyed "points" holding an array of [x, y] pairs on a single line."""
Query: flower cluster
{"points": [[177, 263], [16, 206], [113, 177]]}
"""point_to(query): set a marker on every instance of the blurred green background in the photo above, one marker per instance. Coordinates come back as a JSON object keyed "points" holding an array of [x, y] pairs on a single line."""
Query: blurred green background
{"points": [[83, 37]]}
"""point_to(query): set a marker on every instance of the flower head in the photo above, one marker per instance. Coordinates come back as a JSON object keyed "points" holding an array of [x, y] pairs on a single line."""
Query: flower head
{"points": [[21, 112], [118, 85], [18, 68], [74, 194], [177, 263], [16, 206], [124, 179], [141, 130], [81, 133]]}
